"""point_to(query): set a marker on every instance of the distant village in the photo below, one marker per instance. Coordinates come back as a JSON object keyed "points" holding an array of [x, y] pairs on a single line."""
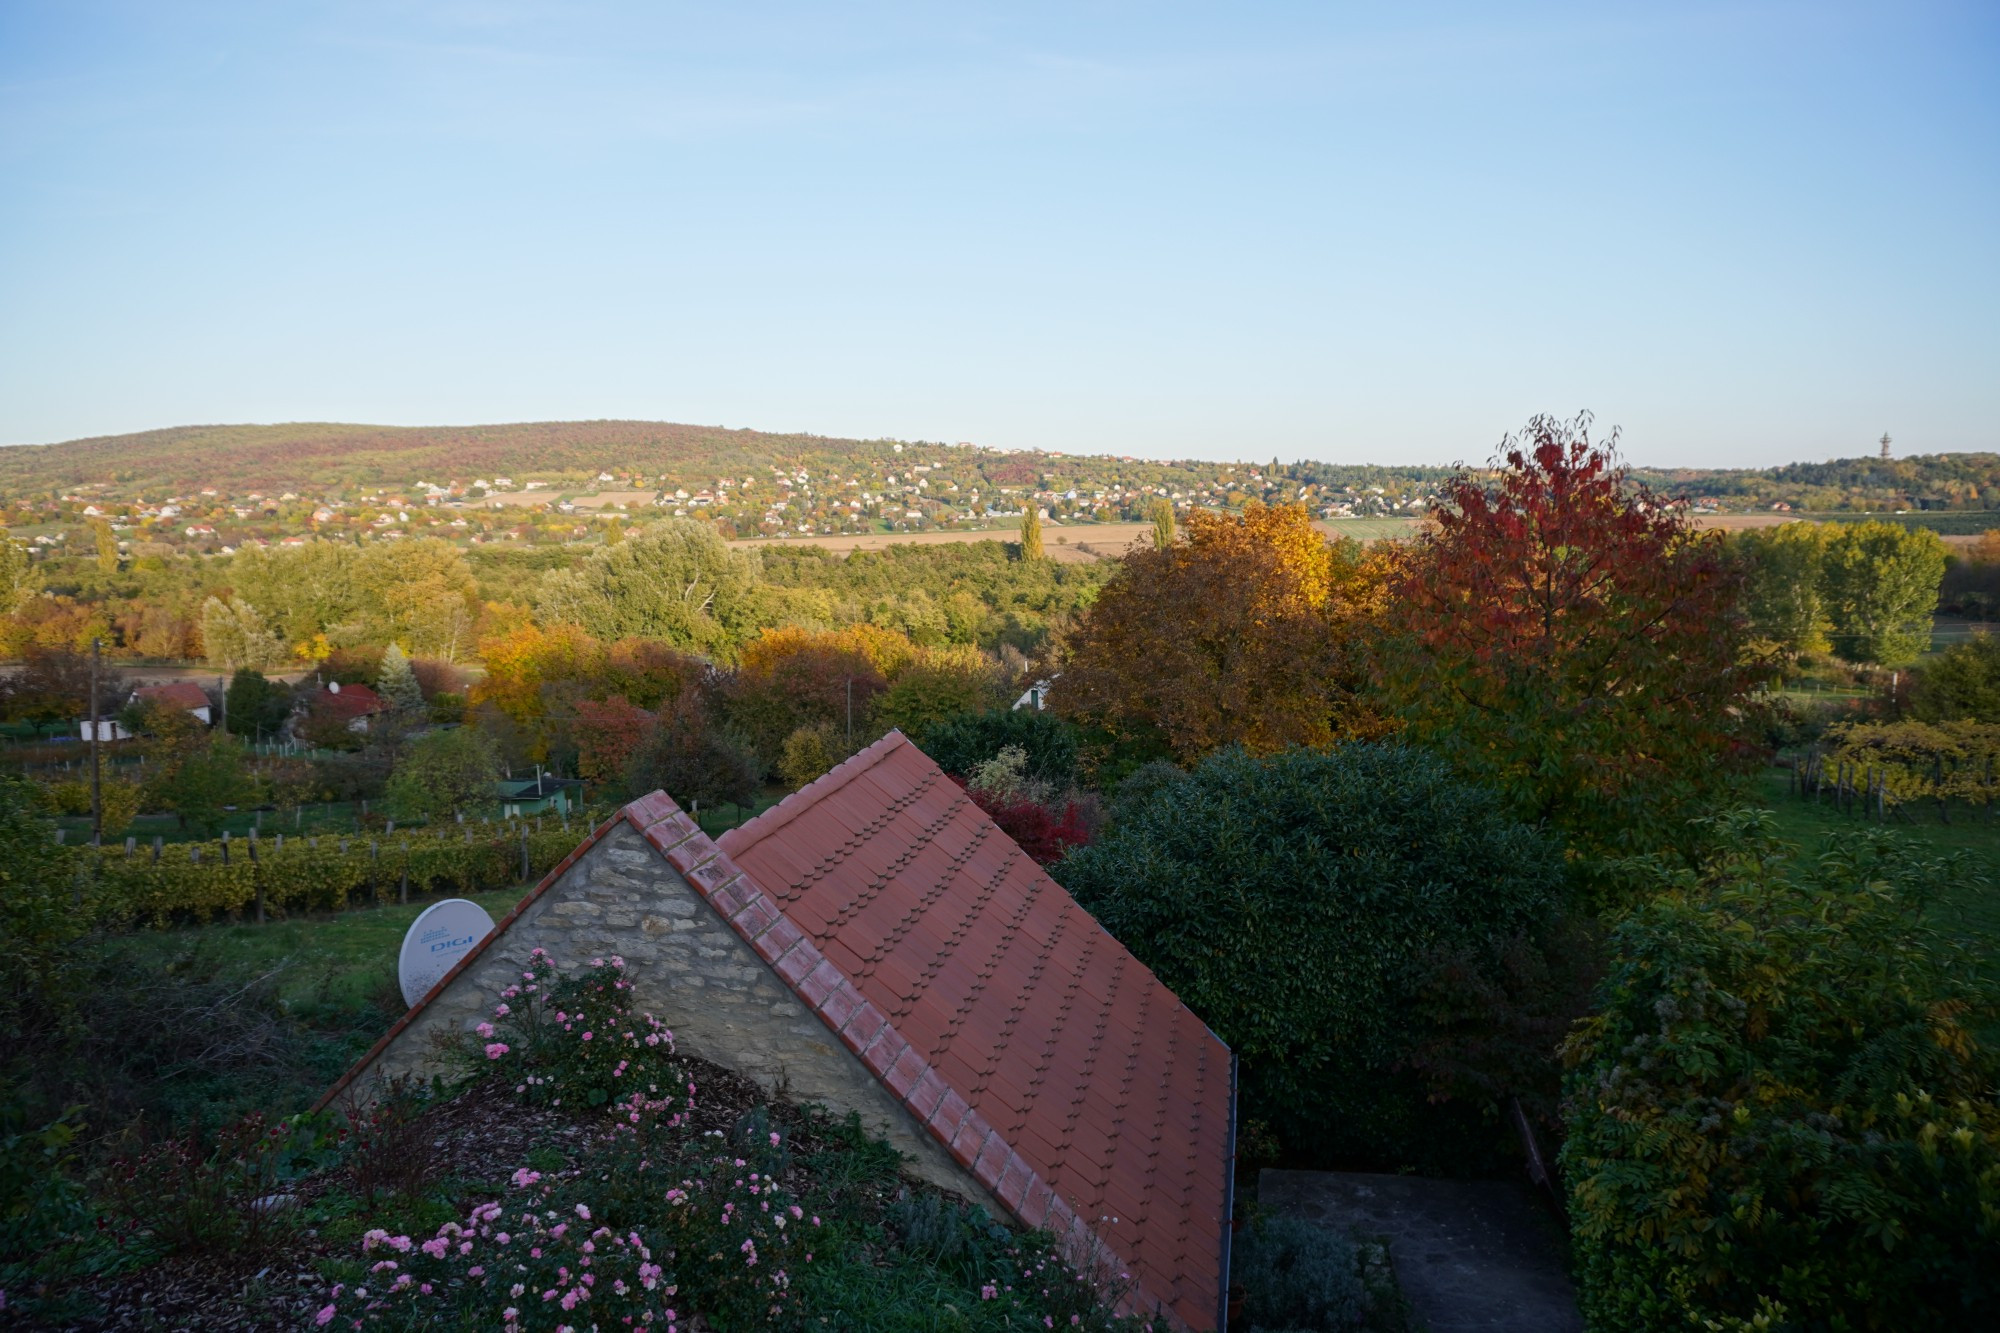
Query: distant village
{"points": [[927, 488]]}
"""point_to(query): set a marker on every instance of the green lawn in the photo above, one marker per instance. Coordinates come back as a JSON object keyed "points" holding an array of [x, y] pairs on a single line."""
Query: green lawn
{"points": [[1966, 905], [347, 958]]}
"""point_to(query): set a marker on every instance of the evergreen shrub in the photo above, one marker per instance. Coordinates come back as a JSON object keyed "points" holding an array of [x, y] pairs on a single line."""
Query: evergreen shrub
{"points": [[1297, 902], [1296, 1276], [962, 744]]}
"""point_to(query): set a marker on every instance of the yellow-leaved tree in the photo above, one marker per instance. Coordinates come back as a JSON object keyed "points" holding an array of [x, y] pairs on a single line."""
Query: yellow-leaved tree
{"points": [[1243, 631]]}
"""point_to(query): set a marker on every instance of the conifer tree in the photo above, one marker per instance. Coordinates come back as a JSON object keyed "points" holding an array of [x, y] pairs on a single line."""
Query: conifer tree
{"points": [[397, 683]]}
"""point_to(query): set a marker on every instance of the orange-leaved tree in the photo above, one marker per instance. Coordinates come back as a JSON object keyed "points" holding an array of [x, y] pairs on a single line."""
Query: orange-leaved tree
{"points": [[1242, 632], [1562, 633], [524, 664], [538, 679], [792, 679]]}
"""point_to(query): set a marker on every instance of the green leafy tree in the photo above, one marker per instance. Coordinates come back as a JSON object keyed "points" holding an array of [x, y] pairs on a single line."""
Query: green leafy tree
{"points": [[443, 772], [677, 581], [1881, 590], [808, 752], [19, 579], [234, 634], [1295, 902], [695, 762], [257, 707], [40, 921], [1784, 594], [397, 683], [165, 732], [961, 744], [200, 783], [1962, 682], [1783, 1115], [934, 689], [312, 589], [1161, 514], [790, 679], [420, 592]]}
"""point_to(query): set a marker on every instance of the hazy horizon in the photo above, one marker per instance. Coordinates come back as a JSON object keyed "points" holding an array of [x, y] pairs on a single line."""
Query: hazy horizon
{"points": [[1625, 456], [1746, 233]]}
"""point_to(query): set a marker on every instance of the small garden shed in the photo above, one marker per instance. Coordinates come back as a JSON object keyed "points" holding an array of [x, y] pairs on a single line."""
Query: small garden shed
{"points": [[876, 944]]}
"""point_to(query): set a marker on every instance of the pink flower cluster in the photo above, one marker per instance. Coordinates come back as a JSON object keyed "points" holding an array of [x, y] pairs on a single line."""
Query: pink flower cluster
{"points": [[531, 1270], [577, 1036]]}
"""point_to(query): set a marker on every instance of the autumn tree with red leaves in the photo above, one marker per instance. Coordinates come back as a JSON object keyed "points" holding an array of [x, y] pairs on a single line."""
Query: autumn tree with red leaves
{"points": [[1563, 634], [607, 736]]}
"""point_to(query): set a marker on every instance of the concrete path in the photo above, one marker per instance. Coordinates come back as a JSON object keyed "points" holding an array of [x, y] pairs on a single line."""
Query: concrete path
{"points": [[1470, 1256]]}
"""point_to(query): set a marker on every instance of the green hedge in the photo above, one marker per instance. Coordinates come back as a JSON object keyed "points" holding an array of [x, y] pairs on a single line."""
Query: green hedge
{"points": [[1785, 1117], [194, 881], [1299, 903]]}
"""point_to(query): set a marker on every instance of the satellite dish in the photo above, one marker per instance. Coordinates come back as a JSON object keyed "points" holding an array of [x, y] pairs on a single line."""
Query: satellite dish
{"points": [[442, 935]]}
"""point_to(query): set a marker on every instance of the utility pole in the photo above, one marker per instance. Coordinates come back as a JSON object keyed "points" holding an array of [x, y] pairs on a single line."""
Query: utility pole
{"points": [[850, 713], [1885, 446], [96, 781]]}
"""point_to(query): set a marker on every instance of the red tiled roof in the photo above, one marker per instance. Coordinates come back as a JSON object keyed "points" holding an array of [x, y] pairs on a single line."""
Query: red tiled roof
{"points": [[1050, 1062], [180, 694], [1041, 1053], [351, 701]]}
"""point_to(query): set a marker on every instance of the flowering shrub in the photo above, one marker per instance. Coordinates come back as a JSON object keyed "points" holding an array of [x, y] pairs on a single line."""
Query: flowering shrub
{"points": [[735, 1233], [519, 1269], [718, 1235], [577, 1038]]}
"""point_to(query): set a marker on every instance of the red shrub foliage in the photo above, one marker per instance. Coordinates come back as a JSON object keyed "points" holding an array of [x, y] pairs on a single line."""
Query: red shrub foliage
{"points": [[607, 735], [1045, 832]]}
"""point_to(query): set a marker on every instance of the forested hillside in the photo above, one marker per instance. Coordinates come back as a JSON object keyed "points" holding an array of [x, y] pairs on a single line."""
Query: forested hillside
{"points": [[319, 455], [120, 501], [334, 458]]}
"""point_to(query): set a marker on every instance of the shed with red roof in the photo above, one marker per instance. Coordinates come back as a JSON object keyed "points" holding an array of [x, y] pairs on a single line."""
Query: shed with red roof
{"points": [[182, 694], [875, 943], [353, 704]]}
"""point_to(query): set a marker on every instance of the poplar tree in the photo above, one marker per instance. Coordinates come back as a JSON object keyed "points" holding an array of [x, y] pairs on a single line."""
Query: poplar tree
{"points": [[1031, 532]]}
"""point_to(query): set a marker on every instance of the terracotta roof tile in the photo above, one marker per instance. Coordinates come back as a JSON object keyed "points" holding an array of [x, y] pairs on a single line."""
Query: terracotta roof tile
{"points": [[1045, 1057], [177, 694]]}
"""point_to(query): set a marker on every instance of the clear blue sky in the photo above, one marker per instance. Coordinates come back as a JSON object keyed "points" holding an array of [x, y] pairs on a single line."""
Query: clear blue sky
{"points": [[1747, 233]]}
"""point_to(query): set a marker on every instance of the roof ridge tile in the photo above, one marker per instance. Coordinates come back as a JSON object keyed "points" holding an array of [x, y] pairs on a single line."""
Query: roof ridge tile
{"points": [[747, 835]]}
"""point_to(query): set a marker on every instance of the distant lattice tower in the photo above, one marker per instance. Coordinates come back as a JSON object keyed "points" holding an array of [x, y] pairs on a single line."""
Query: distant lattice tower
{"points": [[1885, 445]]}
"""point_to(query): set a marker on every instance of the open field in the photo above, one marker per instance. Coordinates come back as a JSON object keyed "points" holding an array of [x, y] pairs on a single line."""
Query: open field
{"points": [[1101, 541], [1075, 541], [1080, 541]]}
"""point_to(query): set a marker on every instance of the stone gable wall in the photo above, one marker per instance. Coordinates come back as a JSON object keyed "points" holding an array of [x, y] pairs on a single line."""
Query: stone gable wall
{"points": [[690, 969]]}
